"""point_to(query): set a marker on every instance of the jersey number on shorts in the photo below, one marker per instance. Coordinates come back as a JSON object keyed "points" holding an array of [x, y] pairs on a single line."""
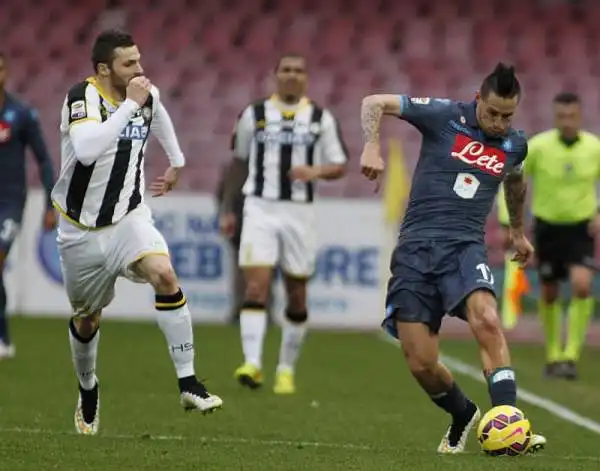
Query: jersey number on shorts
{"points": [[9, 230], [486, 273], [466, 185]]}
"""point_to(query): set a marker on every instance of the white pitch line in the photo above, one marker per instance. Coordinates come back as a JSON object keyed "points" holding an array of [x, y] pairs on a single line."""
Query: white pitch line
{"points": [[529, 397], [223, 440]]}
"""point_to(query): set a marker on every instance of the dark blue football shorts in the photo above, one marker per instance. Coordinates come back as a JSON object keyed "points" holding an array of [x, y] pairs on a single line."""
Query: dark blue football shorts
{"points": [[431, 279]]}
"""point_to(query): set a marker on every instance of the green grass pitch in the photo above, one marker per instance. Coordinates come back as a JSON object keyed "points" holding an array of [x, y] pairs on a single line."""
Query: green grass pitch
{"points": [[357, 407]]}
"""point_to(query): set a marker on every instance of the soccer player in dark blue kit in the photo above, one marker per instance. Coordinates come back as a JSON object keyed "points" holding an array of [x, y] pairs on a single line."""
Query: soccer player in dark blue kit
{"points": [[19, 129], [440, 265]]}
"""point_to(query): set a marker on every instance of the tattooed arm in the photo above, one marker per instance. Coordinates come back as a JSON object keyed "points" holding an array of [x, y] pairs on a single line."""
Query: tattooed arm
{"points": [[372, 109], [515, 190]]}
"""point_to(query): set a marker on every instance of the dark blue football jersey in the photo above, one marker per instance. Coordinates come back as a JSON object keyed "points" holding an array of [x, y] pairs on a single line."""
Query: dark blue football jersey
{"points": [[459, 170]]}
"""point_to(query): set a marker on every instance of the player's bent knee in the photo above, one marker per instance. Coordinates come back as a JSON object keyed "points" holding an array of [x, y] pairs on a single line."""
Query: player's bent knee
{"points": [[484, 321], [163, 278], [296, 317], [256, 291], [421, 363], [86, 325]]}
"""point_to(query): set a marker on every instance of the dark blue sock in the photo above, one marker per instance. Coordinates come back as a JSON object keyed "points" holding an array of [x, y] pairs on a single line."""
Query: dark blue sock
{"points": [[3, 319], [452, 401], [502, 387]]}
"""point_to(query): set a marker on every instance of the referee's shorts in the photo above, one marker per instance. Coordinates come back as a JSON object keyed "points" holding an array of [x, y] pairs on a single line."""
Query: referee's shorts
{"points": [[560, 246]]}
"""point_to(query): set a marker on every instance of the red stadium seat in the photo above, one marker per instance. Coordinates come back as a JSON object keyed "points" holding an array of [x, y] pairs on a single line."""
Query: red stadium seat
{"points": [[210, 58]]}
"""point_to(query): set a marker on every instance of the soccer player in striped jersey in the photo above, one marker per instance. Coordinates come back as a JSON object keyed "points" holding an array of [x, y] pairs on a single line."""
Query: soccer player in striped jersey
{"points": [[105, 229], [281, 146], [19, 129]]}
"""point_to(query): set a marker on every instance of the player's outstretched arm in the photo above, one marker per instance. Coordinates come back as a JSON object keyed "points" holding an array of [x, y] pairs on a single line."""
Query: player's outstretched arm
{"points": [[372, 109]]}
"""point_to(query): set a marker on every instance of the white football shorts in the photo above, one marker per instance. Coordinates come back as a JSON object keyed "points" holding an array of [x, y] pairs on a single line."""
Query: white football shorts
{"points": [[92, 260], [279, 233]]}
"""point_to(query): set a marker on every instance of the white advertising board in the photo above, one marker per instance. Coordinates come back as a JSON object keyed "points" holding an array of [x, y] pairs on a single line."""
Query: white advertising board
{"points": [[346, 291]]}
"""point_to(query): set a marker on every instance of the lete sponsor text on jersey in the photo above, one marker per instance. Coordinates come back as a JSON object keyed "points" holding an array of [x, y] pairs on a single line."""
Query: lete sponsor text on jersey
{"points": [[489, 159]]}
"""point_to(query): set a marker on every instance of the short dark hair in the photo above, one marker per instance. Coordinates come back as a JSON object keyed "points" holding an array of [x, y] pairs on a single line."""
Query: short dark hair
{"points": [[289, 55], [103, 51], [502, 81], [566, 98]]}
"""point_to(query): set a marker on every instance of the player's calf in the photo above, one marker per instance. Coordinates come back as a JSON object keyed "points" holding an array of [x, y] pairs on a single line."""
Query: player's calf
{"points": [[253, 324], [84, 335], [483, 319], [175, 321], [420, 348]]}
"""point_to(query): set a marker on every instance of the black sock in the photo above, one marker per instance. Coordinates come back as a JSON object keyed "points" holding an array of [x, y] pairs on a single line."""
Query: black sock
{"points": [[502, 387], [452, 401]]}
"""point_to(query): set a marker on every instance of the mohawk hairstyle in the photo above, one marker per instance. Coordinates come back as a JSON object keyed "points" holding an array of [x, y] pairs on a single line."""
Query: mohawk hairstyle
{"points": [[502, 81]]}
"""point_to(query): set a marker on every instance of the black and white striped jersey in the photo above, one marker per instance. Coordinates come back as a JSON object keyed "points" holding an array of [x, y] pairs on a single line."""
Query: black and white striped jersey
{"points": [[102, 164], [275, 137]]}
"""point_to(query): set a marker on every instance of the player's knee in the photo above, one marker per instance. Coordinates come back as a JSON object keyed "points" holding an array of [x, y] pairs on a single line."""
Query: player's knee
{"points": [[296, 317], [421, 362], [164, 279], [256, 291], [549, 292], [484, 320], [421, 365], [86, 326], [581, 283]]}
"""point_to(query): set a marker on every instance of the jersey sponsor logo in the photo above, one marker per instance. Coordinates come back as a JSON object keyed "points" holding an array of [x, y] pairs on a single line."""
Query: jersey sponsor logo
{"points": [[134, 132], [78, 109], [4, 131], [420, 101], [477, 154], [288, 133], [466, 185]]}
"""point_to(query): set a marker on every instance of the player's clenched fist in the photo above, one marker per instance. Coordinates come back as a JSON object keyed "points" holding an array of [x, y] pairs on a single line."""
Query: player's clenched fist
{"points": [[138, 89], [371, 163]]}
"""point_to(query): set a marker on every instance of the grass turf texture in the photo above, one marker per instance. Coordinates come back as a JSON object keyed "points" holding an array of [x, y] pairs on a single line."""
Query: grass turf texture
{"points": [[357, 408]]}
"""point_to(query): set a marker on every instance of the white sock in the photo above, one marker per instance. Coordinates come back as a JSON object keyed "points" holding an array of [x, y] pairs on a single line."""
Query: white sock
{"points": [[292, 338], [176, 325], [84, 356], [253, 326]]}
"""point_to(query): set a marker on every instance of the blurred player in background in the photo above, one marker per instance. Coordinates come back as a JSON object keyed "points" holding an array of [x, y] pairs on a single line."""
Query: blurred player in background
{"points": [[564, 167], [281, 146], [106, 229], [19, 129], [440, 262]]}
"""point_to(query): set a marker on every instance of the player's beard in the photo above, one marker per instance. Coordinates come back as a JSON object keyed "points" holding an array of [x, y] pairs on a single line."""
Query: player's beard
{"points": [[119, 84]]}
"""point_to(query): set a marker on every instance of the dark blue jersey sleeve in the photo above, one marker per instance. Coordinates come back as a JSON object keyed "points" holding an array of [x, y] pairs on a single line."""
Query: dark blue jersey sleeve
{"points": [[426, 114], [518, 145], [35, 140]]}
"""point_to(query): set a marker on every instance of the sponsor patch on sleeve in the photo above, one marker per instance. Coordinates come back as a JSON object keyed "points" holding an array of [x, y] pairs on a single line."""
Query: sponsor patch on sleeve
{"points": [[78, 109]]}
